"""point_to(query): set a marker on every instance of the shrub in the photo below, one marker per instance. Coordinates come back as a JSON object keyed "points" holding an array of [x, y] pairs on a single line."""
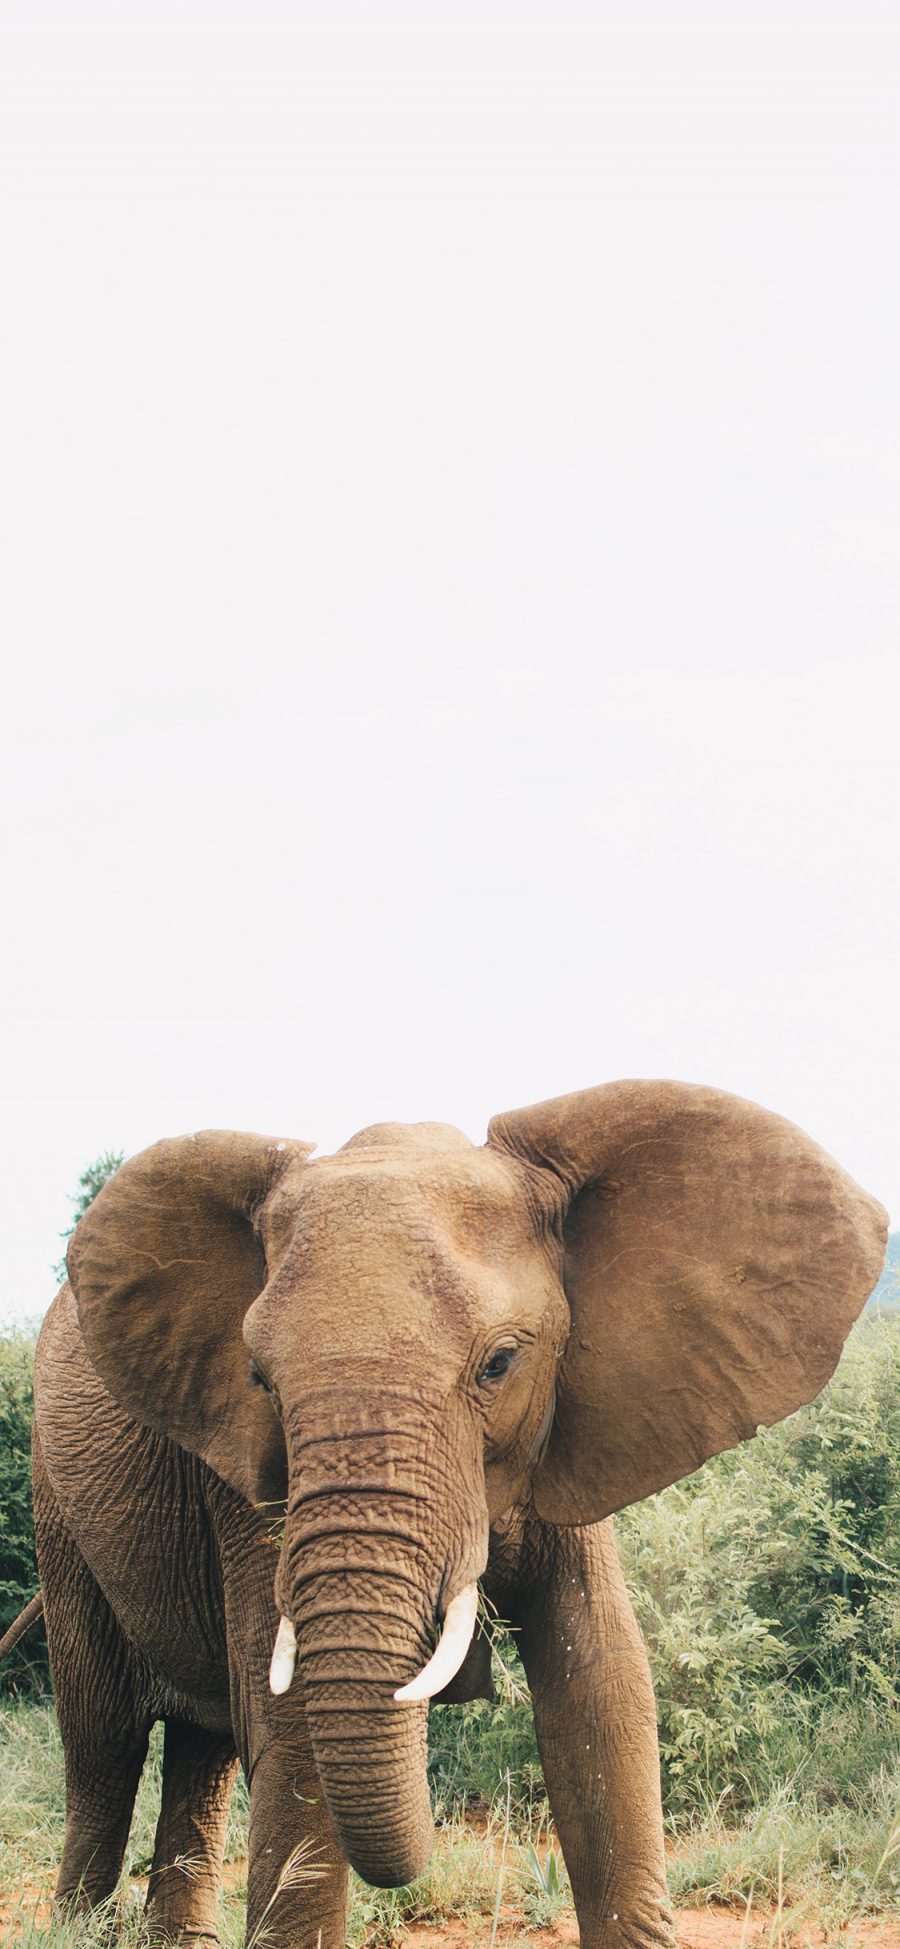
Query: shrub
{"points": [[475, 1749], [767, 1586], [768, 1589], [25, 1669]]}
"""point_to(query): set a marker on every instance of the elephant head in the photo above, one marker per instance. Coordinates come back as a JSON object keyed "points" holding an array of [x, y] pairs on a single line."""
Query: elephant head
{"points": [[405, 1340]]}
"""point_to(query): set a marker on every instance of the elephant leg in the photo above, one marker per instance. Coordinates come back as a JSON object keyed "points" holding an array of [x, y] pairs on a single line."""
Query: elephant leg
{"points": [[104, 1722], [297, 1874], [198, 1774], [595, 1718], [296, 1871], [105, 1732], [103, 1768]]}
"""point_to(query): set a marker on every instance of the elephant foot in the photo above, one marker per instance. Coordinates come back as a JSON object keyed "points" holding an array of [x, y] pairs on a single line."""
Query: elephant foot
{"points": [[637, 1929], [159, 1933]]}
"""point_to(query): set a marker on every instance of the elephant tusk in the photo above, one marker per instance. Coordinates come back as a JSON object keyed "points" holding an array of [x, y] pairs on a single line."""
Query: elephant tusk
{"points": [[284, 1657], [455, 1639]]}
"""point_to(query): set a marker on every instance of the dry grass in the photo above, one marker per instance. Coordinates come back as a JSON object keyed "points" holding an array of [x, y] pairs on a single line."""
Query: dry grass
{"points": [[791, 1859]]}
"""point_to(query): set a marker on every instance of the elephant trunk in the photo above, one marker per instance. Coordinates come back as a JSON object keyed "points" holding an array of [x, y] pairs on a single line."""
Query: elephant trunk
{"points": [[376, 1547]]}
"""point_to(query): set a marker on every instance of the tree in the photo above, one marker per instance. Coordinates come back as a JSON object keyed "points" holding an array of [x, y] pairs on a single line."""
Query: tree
{"points": [[92, 1180], [25, 1669]]}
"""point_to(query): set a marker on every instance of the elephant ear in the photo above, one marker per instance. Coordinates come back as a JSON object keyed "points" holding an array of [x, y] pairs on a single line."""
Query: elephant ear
{"points": [[163, 1265], [715, 1259]]}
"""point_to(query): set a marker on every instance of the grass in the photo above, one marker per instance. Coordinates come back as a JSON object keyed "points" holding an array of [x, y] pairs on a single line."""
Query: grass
{"points": [[768, 1591], [832, 1866], [826, 1864]]}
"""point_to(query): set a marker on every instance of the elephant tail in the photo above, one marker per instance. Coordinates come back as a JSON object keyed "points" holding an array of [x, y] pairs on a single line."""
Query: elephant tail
{"points": [[23, 1623]]}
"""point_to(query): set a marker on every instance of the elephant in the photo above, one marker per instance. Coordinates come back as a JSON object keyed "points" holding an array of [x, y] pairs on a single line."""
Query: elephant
{"points": [[291, 1412]]}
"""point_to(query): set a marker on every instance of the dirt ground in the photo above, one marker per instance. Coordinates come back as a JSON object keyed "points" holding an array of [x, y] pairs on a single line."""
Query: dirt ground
{"points": [[696, 1928]]}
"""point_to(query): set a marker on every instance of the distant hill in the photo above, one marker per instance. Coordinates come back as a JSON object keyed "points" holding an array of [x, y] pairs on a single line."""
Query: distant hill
{"points": [[887, 1291]]}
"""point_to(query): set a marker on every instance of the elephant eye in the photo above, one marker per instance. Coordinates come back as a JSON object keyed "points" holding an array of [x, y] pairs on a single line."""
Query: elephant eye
{"points": [[497, 1365], [258, 1380]]}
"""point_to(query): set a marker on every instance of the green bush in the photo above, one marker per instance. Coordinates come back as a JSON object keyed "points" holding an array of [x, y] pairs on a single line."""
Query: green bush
{"points": [[474, 1750], [767, 1586], [768, 1589], [25, 1669]]}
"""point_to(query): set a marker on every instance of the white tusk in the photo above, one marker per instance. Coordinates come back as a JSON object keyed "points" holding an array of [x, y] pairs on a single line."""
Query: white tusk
{"points": [[455, 1639], [284, 1657]]}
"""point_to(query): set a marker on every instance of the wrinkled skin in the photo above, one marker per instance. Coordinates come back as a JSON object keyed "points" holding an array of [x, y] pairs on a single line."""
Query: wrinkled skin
{"points": [[436, 1363]]}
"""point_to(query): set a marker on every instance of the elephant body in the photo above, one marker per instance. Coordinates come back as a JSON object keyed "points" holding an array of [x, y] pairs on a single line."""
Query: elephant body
{"points": [[158, 1587], [415, 1358]]}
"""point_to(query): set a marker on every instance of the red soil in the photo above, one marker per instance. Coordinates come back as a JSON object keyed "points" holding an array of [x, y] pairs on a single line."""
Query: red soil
{"points": [[696, 1928]]}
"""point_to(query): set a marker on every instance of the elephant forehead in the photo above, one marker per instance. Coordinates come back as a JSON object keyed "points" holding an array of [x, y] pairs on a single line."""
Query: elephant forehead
{"points": [[390, 1138], [437, 1222], [462, 1195]]}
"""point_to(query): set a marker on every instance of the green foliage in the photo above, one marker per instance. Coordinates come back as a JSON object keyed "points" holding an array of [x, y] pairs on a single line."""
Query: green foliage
{"points": [[92, 1180], [544, 1885], [887, 1291], [472, 1751], [832, 1864], [768, 1590], [25, 1669]]}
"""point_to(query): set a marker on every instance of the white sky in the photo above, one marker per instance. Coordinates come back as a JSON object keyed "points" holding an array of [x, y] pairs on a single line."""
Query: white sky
{"points": [[449, 495]]}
